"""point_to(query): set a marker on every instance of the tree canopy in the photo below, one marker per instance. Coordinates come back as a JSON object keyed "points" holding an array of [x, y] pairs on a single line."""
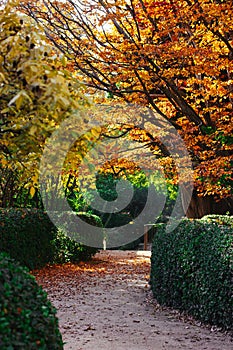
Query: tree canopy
{"points": [[172, 56], [37, 92]]}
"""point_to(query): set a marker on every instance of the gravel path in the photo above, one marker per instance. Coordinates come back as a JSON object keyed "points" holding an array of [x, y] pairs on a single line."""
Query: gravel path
{"points": [[107, 305]]}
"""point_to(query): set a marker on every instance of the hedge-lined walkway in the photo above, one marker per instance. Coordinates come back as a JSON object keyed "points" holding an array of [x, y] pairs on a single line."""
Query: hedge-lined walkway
{"points": [[106, 305]]}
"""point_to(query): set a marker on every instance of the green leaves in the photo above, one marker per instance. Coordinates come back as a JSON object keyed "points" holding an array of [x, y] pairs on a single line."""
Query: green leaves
{"points": [[225, 139], [27, 317], [27, 236], [192, 268]]}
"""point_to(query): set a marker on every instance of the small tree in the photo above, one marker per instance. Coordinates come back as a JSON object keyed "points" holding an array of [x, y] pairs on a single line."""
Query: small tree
{"points": [[37, 92]]}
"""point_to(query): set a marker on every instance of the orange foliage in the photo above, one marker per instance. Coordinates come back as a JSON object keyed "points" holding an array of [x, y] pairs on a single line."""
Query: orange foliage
{"points": [[175, 57]]}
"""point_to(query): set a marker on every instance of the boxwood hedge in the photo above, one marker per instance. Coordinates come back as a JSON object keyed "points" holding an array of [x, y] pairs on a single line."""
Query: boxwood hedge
{"points": [[67, 249], [29, 236], [192, 269], [27, 318]]}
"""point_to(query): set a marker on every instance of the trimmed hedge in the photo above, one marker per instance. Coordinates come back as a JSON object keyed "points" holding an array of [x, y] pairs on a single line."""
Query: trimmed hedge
{"points": [[70, 250], [29, 236], [219, 219], [27, 318], [192, 269]]}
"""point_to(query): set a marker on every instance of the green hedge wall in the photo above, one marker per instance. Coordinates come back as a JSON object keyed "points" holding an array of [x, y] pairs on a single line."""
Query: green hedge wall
{"points": [[27, 318], [192, 269], [67, 249], [29, 236]]}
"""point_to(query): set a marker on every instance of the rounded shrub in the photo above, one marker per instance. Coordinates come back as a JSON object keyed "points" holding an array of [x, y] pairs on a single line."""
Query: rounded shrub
{"points": [[69, 250], [27, 318], [68, 243], [27, 235]]}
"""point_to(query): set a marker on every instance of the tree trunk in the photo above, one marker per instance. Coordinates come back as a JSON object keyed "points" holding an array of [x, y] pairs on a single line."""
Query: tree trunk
{"points": [[200, 206]]}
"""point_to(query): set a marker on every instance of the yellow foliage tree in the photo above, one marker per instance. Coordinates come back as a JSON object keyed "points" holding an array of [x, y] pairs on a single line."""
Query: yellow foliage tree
{"points": [[37, 92], [175, 57]]}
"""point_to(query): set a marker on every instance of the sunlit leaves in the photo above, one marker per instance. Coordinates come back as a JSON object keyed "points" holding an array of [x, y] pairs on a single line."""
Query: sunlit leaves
{"points": [[174, 57], [37, 92]]}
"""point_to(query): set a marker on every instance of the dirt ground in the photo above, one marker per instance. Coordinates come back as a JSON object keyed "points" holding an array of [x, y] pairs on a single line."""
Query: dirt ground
{"points": [[107, 305]]}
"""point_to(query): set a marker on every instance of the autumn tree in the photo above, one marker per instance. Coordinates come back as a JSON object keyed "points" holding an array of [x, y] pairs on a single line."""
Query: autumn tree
{"points": [[172, 56], [37, 92]]}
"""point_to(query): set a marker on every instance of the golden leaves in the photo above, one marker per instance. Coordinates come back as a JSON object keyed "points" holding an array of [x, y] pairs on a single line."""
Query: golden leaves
{"points": [[175, 57], [36, 93]]}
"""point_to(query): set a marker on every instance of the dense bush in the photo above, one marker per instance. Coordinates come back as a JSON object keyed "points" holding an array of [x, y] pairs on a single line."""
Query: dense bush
{"points": [[192, 269], [219, 219], [69, 236], [69, 250], [27, 235], [106, 185], [27, 318]]}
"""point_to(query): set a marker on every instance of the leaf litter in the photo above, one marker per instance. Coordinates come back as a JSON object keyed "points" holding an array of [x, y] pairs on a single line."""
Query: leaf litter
{"points": [[107, 304]]}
